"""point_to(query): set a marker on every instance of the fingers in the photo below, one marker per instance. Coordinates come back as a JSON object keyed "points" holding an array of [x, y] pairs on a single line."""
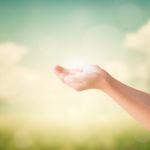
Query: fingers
{"points": [[76, 69], [59, 69], [74, 82], [79, 78], [61, 72], [74, 78]]}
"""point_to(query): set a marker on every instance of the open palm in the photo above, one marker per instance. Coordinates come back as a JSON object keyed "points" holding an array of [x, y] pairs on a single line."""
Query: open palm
{"points": [[80, 78]]}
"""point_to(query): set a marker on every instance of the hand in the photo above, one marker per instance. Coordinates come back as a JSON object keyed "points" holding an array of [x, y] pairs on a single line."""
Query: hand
{"points": [[82, 78], [93, 77]]}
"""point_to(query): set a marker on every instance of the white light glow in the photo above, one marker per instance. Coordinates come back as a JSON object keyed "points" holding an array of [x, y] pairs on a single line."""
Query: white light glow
{"points": [[75, 62]]}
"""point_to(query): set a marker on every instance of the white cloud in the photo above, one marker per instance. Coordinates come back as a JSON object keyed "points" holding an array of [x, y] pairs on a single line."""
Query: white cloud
{"points": [[11, 53], [43, 96], [118, 69], [16, 80], [28, 90], [140, 40]]}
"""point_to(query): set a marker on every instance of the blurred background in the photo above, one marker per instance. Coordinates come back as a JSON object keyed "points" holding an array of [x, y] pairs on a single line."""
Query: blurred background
{"points": [[37, 111]]}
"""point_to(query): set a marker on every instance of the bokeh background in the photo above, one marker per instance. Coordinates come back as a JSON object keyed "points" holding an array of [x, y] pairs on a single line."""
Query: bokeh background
{"points": [[37, 111]]}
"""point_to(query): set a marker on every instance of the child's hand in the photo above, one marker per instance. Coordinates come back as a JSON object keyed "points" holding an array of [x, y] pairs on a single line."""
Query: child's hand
{"points": [[82, 78]]}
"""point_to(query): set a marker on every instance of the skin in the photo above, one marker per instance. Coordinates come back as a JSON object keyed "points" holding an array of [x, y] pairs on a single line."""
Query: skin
{"points": [[135, 102]]}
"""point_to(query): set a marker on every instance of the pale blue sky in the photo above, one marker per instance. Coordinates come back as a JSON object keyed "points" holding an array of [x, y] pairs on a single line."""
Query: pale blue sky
{"points": [[30, 22]]}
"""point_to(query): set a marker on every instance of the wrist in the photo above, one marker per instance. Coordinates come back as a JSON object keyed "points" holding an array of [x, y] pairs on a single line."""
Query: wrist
{"points": [[104, 81]]}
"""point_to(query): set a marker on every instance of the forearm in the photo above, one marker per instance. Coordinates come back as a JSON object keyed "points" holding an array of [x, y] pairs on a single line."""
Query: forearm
{"points": [[136, 102]]}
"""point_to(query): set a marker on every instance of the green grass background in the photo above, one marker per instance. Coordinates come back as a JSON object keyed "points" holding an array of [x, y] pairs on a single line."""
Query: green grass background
{"points": [[18, 136]]}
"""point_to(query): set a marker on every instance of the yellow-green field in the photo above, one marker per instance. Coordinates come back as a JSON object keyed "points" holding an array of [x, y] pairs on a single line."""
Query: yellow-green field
{"points": [[24, 136]]}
